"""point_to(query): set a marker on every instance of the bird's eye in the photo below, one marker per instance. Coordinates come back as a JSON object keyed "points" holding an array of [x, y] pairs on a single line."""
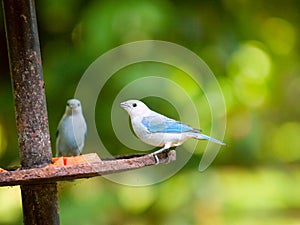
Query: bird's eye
{"points": [[134, 105]]}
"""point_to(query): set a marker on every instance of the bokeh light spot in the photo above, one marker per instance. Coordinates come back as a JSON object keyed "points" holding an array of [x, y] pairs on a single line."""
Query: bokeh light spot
{"points": [[285, 142], [249, 67], [136, 200], [279, 34]]}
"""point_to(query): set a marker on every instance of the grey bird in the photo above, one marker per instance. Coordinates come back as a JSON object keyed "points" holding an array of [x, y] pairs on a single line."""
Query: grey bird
{"points": [[71, 131]]}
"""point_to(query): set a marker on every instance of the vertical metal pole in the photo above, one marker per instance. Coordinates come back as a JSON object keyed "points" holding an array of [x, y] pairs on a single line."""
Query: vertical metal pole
{"points": [[40, 203]]}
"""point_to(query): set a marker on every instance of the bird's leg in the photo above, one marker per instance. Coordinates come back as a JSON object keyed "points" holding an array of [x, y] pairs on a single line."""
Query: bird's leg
{"points": [[159, 151]]}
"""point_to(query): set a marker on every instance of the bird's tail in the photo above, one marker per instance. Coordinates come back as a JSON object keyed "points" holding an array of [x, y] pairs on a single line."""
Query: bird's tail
{"points": [[205, 137]]}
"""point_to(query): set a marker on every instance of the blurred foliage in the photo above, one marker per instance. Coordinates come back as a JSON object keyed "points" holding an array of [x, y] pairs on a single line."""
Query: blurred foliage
{"points": [[251, 46]]}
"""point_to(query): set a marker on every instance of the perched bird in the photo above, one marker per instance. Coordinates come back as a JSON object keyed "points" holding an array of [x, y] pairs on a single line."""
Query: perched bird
{"points": [[71, 130], [158, 130]]}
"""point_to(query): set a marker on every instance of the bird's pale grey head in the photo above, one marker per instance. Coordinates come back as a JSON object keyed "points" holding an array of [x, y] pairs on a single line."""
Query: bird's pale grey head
{"points": [[135, 107], [73, 106]]}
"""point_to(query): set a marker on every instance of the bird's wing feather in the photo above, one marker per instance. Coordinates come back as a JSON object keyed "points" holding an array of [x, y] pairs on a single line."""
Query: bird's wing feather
{"points": [[162, 124]]}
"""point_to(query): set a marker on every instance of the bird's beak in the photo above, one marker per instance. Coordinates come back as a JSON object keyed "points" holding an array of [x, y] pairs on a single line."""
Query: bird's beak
{"points": [[124, 105]]}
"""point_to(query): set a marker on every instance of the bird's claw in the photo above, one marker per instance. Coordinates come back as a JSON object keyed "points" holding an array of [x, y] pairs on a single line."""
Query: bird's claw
{"points": [[155, 155], [156, 159]]}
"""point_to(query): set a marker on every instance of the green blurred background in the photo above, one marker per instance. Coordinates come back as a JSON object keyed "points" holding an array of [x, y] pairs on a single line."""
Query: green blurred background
{"points": [[251, 46]]}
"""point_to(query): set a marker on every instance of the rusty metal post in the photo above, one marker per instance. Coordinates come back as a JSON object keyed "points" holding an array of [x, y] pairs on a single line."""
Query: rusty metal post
{"points": [[40, 203]]}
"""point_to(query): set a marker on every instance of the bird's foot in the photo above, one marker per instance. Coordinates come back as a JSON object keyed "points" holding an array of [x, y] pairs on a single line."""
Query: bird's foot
{"points": [[158, 152], [156, 159]]}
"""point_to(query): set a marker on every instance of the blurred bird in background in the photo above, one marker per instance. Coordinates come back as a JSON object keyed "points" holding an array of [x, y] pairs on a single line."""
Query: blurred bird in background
{"points": [[71, 131]]}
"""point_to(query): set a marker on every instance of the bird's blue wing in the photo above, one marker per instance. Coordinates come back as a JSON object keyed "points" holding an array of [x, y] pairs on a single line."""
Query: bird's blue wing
{"points": [[157, 124]]}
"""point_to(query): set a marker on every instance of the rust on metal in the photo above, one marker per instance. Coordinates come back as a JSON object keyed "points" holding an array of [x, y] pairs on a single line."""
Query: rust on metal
{"points": [[84, 166]]}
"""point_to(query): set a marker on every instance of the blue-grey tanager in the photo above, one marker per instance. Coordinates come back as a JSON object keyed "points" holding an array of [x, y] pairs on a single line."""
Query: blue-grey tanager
{"points": [[71, 130], [158, 130]]}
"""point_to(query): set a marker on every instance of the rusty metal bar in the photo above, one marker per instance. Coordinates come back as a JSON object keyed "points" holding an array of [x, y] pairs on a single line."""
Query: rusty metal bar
{"points": [[89, 165], [40, 205]]}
